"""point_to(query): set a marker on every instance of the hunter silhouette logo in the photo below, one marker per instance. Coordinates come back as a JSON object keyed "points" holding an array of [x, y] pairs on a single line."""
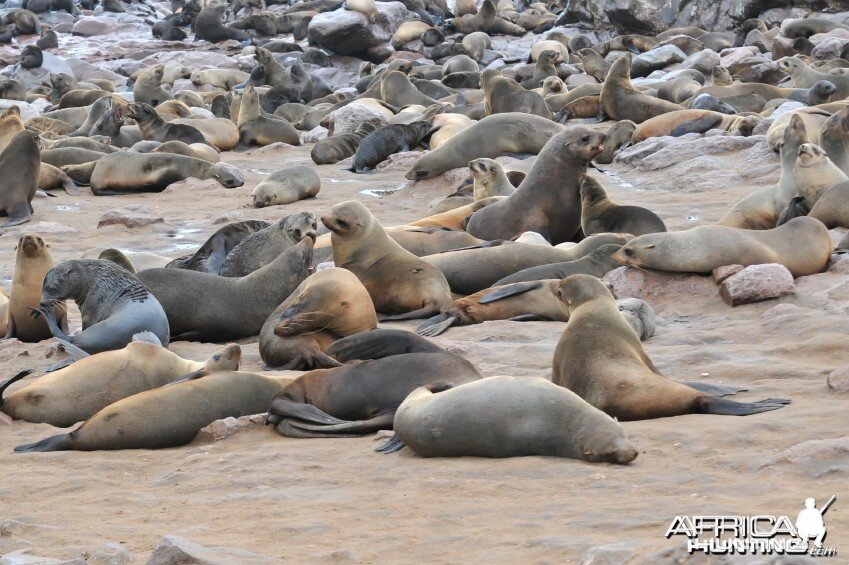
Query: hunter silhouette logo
{"points": [[760, 534]]}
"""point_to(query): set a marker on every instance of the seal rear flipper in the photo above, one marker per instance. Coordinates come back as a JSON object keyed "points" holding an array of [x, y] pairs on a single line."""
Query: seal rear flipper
{"points": [[305, 412], [509, 290], [379, 343], [44, 193], [12, 380], [285, 428], [382, 422], [61, 442], [699, 125], [391, 445], [717, 405], [436, 325], [72, 350], [715, 390]]}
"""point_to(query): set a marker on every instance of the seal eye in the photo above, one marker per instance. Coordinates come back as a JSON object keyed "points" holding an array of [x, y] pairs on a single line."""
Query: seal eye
{"points": [[343, 224], [343, 303], [586, 138], [628, 251], [216, 358]]}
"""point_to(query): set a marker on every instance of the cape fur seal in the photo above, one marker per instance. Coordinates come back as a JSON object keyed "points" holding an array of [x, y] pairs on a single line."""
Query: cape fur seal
{"points": [[168, 416], [490, 179], [362, 398], [599, 214], [832, 208], [261, 247], [601, 359], [220, 308], [478, 419], [385, 141], [20, 162], [620, 100], [547, 200], [286, 186], [332, 302], [114, 305], [802, 245], [400, 284], [77, 392], [339, 147], [33, 261]]}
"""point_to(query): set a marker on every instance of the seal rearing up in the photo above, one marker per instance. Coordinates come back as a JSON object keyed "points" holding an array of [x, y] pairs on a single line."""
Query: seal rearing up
{"points": [[114, 304]]}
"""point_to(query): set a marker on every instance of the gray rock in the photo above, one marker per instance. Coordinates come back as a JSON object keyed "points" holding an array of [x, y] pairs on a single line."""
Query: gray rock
{"points": [[703, 61], [131, 216], [347, 32], [110, 554], [176, 550], [814, 458], [94, 25], [657, 58], [829, 48], [611, 554], [349, 117]]}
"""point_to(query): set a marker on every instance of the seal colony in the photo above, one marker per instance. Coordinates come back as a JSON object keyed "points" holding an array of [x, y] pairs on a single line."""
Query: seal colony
{"points": [[506, 206]]}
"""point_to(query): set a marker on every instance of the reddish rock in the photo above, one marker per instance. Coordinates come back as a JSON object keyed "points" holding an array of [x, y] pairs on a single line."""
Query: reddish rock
{"points": [[132, 216], [756, 283], [725, 271], [649, 285]]}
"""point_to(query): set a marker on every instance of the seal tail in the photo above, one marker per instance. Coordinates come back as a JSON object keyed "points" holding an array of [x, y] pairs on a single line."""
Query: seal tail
{"points": [[391, 445], [716, 405], [436, 325], [11, 381], [61, 442]]}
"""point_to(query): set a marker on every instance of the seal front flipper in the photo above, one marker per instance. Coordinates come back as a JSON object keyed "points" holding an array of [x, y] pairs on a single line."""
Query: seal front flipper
{"points": [[61, 442], [699, 125], [509, 290], [414, 315], [193, 376], [392, 445], [50, 319], [436, 325], [12, 380], [717, 405], [379, 343], [306, 412], [715, 390]]}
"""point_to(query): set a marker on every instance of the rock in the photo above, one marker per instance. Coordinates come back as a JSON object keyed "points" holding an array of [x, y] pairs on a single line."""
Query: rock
{"points": [[348, 118], [838, 380], [94, 25], [611, 554], [703, 61], [829, 48], [173, 550], [346, 32], [784, 108], [657, 58], [12, 527], [131, 216], [222, 429], [649, 285], [763, 126], [316, 134], [39, 227], [24, 559], [193, 185], [814, 458], [400, 161], [270, 148], [229, 217], [722, 273], [110, 554], [756, 283], [839, 263], [736, 55], [662, 152]]}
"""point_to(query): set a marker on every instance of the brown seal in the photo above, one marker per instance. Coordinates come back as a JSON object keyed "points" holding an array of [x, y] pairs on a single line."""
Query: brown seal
{"points": [[332, 302], [682, 122], [257, 129], [504, 94], [478, 419], [815, 173], [802, 245], [400, 284], [122, 172], [601, 359], [547, 201], [168, 416], [32, 262], [20, 161], [75, 393], [599, 214], [620, 100], [832, 208]]}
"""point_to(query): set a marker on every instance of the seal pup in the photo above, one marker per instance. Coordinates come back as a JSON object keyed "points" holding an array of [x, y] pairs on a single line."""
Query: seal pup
{"points": [[75, 393], [339, 147], [209, 257], [286, 186], [802, 245], [329, 304], [148, 87], [168, 416], [260, 248], [20, 161], [257, 129], [490, 179], [547, 200], [601, 359], [362, 398], [154, 127], [33, 261], [114, 305], [478, 419], [815, 173], [618, 137], [204, 305], [385, 141], [599, 214], [400, 284]]}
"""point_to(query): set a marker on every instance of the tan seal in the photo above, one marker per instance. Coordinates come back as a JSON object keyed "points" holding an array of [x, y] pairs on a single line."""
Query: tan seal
{"points": [[620, 100], [600, 214], [32, 262]]}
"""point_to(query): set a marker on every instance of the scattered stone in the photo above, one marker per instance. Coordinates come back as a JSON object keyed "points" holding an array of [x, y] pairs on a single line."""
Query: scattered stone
{"points": [[24, 559], [131, 216], [399, 161], [173, 549], [814, 458], [94, 25], [39, 227], [222, 429], [611, 554], [703, 61], [756, 283], [657, 58], [829, 48], [110, 554], [838, 380], [348, 118], [12, 527], [316, 134], [649, 285], [232, 216], [722, 273], [839, 263]]}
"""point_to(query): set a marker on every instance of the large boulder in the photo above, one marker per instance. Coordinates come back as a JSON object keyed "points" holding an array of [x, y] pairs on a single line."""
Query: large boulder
{"points": [[346, 32]]}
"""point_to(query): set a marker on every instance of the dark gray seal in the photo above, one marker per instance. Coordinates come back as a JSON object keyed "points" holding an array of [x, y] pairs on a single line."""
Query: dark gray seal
{"points": [[211, 255], [385, 141], [339, 147]]}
